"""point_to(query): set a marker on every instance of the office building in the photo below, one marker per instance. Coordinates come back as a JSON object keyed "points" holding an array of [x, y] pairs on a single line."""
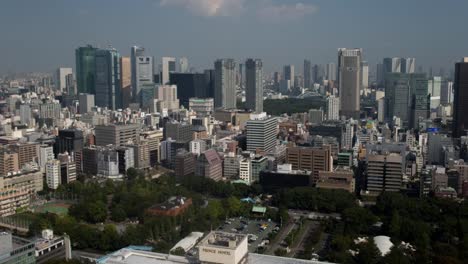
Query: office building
{"points": [[261, 133], [331, 72], [183, 65], [384, 172], [167, 98], [69, 140], [288, 74], [342, 178], [406, 97], [27, 152], [180, 132], [86, 102], [202, 106], [254, 85], [107, 79], [61, 76], [285, 177], [168, 67], [318, 74], [53, 174], [126, 156], [197, 146], [46, 153], [333, 108], [50, 110], [315, 116], [144, 76], [126, 80], [16, 250], [307, 74], [365, 75], [9, 161], [135, 52], [108, 163], [116, 134], [408, 65], [209, 165], [231, 165], [86, 69], [257, 165], [190, 85], [225, 84], [460, 102], [349, 70], [310, 159], [446, 93], [434, 89], [184, 164], [391, 65], [26, 114]]}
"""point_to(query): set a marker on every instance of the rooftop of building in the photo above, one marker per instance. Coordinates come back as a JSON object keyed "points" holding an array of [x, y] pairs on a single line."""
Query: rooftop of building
{"points": [[223, 240]]}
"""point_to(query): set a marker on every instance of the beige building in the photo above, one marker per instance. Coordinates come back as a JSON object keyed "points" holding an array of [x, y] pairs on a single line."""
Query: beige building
{"points": [[126, 80], [310, 159], [167, 97], [8, 162], [27, 152], [340, 179], [116, 135]]}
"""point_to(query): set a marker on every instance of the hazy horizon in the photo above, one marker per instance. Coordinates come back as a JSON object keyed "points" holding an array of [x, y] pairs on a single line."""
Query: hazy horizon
{"points": [[39, 36]]}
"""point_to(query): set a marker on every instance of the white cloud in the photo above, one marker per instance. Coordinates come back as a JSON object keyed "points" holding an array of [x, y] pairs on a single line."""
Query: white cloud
{"points": [[209, 8], [277, 13]]}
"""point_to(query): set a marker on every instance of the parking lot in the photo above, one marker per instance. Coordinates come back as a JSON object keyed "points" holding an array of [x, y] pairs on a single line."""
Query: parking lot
{"points": [[250, 226]]}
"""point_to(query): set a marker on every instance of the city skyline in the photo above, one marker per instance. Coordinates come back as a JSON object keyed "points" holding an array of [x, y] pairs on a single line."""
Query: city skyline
{"points": [[291, 31]]}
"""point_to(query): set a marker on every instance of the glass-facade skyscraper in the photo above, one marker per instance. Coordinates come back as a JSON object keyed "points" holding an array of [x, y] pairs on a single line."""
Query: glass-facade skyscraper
{"points": [[349, 70], [107, 81], [225, 84], [85, 69]]}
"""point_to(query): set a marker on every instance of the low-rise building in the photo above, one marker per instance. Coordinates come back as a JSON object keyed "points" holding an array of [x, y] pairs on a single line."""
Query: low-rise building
{"points": [[341, 178], [172, 207]]}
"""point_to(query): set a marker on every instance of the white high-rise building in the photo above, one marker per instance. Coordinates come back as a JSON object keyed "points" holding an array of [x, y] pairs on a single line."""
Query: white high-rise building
{"points": [[365, 75], [61, 78], [245, 170], [53, 174], [261, 133], [391, 65], [446, 93], [86, 102], [225, 84], [46, 153], [144, 75], [381, 110], [349, 69], [347, 137], [183, 65], [333, 108], [197, 146], [135, 52], [168, 67]]}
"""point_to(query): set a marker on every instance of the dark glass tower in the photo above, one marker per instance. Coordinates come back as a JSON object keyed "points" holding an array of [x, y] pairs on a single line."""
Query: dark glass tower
{"points": [[85, 69], [460, 104]]}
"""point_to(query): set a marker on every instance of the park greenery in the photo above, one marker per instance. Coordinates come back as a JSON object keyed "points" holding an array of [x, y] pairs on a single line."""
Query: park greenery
{"points": [[110, 215]]}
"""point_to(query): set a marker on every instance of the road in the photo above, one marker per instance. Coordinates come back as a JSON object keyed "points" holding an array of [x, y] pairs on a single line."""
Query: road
{"points": [[280, 237]]}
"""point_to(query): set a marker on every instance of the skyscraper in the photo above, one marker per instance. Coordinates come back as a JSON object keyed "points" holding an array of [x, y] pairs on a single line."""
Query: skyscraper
{"points": [[331, 72], [391, 65], [126, 80], [168, 66], [85, 69], [408, 65], [365, 75], [225, 84], [333, 108], [135, 52], [183, 65], [460, 102], [144, 75], [107, 81], [307, 74], [61, 76], [288, 74], [349, 69], [254, 85]]}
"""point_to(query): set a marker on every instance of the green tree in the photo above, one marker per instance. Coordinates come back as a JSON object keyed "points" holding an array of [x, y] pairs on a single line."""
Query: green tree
{"points": [[118, 214], [368, 253], [233, 206], [178, 251], [97, 212], [397, 256]]}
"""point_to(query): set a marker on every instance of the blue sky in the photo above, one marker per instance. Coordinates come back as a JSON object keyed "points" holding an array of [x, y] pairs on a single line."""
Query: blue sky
{"points": [[40, 35]]}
